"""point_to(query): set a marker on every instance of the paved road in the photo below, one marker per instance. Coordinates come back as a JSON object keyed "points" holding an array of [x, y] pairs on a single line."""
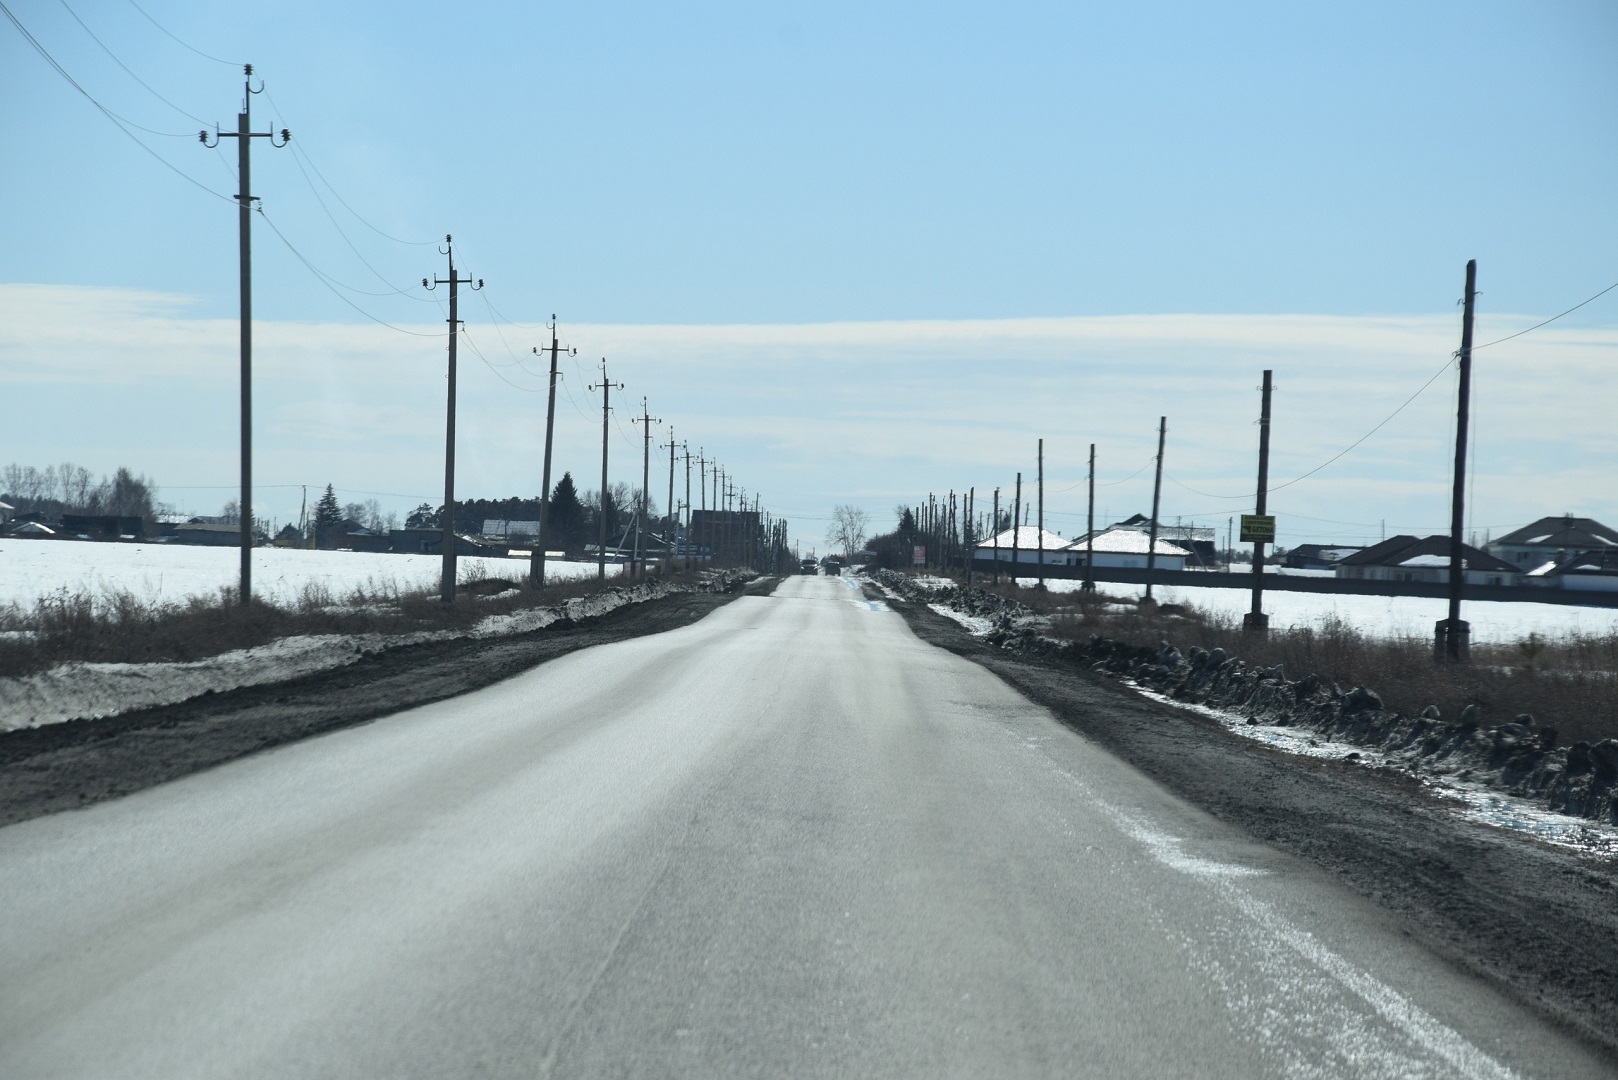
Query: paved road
{"points": [[789, 840]]}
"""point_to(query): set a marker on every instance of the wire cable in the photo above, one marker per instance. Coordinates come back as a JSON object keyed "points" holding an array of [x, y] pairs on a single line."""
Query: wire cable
{"points": [[479, 354], [120, 122], [326, 281], [199, 52], [126, 68], [298, 150], [1548, 321]]}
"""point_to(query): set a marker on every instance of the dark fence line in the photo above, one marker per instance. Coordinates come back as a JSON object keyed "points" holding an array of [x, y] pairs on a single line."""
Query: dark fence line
{"points": [[1121, 575]]}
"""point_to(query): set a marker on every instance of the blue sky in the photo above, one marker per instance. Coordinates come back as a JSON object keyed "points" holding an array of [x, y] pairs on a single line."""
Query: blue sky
{"points": [[858, 251]]}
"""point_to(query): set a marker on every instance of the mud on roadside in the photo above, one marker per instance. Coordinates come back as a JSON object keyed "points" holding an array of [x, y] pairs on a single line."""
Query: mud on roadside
{"points": [[1539, 922], [79, 763]]}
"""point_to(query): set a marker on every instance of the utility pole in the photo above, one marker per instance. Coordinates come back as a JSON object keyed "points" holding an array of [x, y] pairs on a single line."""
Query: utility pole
{"points": [[606, 386], [971, 532], [1157, 492], [1016, 531], [1453, 638], [1042, 514], [536, 562], [1089, 584], [673, 524], [446, 585], [646, 420], [244, 136], [685, 562], [702, 494], [995, 532], [1256, 620]]}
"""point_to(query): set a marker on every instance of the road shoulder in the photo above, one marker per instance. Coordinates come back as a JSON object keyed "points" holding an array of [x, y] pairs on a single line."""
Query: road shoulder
{"points": [[1536, 921]]}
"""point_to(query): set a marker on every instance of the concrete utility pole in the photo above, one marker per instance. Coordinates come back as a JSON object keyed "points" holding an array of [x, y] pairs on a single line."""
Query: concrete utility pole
{"points": [[1452, 639], [1157, 492], [1042, 513], [1256, 620], [244, 136], [606, 386], [536, 562], [1089, 584], [646, 420], [446, 585]]}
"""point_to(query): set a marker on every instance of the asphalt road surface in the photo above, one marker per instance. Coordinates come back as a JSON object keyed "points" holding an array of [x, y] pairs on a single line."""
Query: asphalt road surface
{"points": [[788, 840]]}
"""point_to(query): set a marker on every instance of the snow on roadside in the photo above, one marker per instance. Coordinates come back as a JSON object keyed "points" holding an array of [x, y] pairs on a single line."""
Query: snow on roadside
{"points": [[1493, 621], [174, 573], [974, 624], [94, 690], [1474, 802]]}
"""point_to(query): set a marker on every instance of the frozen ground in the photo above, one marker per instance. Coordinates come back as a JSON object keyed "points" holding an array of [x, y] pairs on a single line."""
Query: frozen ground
{"points": [[30, 569], [1384, 616]]}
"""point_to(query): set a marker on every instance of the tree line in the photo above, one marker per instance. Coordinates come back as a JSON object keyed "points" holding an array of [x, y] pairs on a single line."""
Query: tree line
{"points": [[72, 489]]}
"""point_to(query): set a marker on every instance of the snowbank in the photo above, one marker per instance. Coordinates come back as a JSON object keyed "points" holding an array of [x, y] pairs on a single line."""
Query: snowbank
{"points": [[91, 691]]}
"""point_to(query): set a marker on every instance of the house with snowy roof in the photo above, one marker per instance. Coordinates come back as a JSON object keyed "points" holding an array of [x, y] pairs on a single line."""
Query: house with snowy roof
{"points": [[1590, 570], [1025, 543], [1123, 545], [1552, 539], [1425, 559]]}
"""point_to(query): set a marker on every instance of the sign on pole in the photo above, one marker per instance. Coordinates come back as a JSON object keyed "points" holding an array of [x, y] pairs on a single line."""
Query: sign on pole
{"points": [[1258, 528], [918, 555]]}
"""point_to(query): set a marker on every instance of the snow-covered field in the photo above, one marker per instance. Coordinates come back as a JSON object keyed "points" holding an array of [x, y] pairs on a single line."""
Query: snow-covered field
{"points": [[30, 569], [1383, 616]]}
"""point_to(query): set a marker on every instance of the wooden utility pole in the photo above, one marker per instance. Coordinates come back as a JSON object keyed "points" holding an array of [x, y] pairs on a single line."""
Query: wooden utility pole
{"points": [[646, 420], [995, 532], [536, 561], [244, 136], [1452, 637], [446, 585], [1041, 501], [971, 532], [685, 561], [1016, 530], [1089, 584], [1255, 620], [1157, 492], [668, 540], [606, 386]]}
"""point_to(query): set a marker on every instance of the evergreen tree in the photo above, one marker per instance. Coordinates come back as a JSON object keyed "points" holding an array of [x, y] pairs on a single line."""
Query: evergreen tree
{"points": [[422, 517], [328, 517], [564, 521]]}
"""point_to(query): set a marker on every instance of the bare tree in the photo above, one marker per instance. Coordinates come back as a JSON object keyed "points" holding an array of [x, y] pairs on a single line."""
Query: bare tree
{"points": [[847, 529]]}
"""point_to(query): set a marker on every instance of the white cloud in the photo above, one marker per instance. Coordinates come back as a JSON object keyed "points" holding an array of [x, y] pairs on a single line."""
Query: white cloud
{"points": [[817, 414]]}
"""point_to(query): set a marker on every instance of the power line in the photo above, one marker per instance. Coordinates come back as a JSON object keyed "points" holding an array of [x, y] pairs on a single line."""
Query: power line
{"points": [[120, 122], [1550, 320], [199, 52], [125, 66], [327, 281]]}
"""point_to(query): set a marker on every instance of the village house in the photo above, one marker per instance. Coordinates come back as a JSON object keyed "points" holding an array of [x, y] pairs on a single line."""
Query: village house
{"points": [[1596, 571], [1124, 546], [1424, 559], [1025, 542], [1552, 539]]}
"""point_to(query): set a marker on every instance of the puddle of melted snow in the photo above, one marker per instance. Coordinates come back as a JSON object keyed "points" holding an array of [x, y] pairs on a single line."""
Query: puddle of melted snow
{"points": [[1483, 805]]}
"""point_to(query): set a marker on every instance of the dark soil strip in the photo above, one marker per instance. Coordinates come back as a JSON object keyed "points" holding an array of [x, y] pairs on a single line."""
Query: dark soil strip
{"points": [[65, 766], [1541, 922]]}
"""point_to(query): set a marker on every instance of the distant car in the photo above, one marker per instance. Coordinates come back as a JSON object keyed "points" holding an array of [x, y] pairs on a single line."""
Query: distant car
{"points": [[807, 566]]}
